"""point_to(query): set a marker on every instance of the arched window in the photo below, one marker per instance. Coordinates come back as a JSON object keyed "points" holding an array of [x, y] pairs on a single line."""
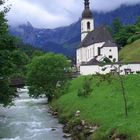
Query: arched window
{"points": [[88, 25]]}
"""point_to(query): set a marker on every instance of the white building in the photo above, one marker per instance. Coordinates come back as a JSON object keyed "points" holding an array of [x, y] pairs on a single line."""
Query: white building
{"points": [[96, 45], [122, 68]]}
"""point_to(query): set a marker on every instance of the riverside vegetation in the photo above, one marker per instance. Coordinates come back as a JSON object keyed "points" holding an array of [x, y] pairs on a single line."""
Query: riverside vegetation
{"points": [[103, 108]]}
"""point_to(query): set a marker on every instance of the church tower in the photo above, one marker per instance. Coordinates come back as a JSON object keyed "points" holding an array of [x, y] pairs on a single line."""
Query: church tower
{"points": [[87, 23]]}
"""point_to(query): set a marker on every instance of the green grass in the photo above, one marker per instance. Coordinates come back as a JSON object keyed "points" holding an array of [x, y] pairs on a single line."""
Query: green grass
{"points": [[105, 106], [131, 52]]}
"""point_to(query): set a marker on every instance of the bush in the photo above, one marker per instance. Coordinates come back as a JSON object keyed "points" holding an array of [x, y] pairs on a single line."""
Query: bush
{"points": [[86, 89]]}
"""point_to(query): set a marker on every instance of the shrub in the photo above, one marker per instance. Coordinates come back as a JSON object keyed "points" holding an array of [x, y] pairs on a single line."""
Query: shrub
{"points": [[86, 89]]}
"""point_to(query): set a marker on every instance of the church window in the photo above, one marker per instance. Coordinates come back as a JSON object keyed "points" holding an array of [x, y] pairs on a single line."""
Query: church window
{"points": [[88, 25], [110, 50], [99, 51], [110, 56]]}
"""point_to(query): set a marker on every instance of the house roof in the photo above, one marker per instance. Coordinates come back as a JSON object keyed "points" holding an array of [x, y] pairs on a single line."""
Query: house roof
{"points": [[100, 34], [93, 61]]}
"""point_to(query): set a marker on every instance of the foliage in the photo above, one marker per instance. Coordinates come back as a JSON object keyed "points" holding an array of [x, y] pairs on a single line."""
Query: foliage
{"points": [[6, 92], [28, 49], [125, 34], [106, 60], [37, 53], [86, 89], [47, 72], [12, 61], [116, 26], [104, 107]]}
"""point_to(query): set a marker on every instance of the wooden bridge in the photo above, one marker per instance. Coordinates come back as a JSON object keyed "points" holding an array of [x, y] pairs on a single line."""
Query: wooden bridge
{"points": [[17, 82]]}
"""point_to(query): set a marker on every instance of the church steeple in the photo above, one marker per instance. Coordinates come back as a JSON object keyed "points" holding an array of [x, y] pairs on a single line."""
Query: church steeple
{"points": [[87, 23], [86, 4], [87, 12]]}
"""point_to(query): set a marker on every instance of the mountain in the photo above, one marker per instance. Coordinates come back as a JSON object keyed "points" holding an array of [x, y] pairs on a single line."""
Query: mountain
{"points": [[131, 52], [66, 39]]}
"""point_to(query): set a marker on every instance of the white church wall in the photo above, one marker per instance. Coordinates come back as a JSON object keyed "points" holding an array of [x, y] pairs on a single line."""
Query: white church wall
{"points": [[96, 46], [85, 54], [90, 53], [133, 67], [110, 52], [80, 56], [89, 70], [93, 69]]}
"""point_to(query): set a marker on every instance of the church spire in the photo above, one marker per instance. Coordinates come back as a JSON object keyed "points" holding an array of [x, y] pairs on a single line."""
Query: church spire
{"points": [[87, 22], [87, 12], [86, 4]]}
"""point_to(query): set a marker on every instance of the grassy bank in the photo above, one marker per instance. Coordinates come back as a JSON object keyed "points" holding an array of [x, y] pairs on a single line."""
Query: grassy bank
{"points": [[105, 107], [131, 52]]}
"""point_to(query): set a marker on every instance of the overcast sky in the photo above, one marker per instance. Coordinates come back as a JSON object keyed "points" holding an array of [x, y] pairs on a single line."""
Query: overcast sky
{"points": [[56, 13]]}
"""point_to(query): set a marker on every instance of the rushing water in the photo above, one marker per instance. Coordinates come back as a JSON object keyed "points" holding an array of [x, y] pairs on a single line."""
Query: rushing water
{"points": [[29, 120]]}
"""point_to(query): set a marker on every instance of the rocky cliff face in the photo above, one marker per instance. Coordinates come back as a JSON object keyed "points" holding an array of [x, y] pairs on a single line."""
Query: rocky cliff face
{"points": [[66, 39]]}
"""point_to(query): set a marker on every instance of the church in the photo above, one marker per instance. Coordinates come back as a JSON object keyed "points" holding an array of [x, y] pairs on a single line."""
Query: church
{"points": [[96, 43]]}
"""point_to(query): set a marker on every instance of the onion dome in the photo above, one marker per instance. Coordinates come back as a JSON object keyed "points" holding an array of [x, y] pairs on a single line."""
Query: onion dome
{"points": [[87, 12]]}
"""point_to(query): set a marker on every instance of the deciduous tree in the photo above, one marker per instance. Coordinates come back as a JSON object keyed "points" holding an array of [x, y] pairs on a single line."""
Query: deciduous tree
{"points": [[46, 73]]}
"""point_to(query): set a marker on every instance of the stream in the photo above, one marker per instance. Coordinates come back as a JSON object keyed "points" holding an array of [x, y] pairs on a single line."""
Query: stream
{"points": [[29, 119]]}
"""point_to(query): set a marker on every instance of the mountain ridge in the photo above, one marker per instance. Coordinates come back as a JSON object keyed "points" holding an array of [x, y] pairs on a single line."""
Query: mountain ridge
{"points": [[66, 39]]}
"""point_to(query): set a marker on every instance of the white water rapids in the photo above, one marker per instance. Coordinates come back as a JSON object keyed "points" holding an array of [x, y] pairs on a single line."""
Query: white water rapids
{"points": [[29, 119]]}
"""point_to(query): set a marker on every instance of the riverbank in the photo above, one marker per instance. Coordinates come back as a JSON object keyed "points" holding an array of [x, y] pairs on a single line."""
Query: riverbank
{"points": [[103, 109], [29, 119]]}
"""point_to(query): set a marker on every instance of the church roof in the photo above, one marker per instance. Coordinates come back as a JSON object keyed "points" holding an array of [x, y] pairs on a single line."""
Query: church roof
{"points": [[109, 44], [87, 14], [100, 34], [93, 61]]}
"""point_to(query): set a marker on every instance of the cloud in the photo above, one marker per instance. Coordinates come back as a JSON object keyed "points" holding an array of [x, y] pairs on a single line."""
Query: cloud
{"points": [[109, 5], [56, 13]]}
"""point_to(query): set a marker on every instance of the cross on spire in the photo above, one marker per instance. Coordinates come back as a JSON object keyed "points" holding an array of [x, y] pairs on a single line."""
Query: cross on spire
{"points": [[86, 4]]}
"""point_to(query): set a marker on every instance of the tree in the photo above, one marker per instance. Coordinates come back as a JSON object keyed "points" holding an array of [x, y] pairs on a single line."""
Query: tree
{"points": [[125, 34], [7, 93], [116, 26], [138, 22], [121, 37], [122, 85], [46, 73], [37, 53], [120, 78], [20, 60], [6, 67], [11, 60]]}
